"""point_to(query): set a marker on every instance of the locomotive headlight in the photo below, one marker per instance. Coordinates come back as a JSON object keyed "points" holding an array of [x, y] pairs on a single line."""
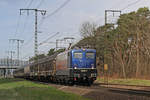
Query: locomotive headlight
{"points": [[92, 65], [75, 66]]}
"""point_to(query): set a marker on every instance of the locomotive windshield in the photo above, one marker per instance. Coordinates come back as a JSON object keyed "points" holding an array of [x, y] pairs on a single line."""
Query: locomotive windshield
{"points": [[78, 55], [90, 55]]}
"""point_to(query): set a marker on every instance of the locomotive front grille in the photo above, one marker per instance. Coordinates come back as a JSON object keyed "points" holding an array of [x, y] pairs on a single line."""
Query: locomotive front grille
{"points": [[84, 72]]}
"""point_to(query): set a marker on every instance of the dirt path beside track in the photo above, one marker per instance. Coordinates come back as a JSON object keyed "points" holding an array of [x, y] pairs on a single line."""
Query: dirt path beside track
{"points": [[97, 92]]}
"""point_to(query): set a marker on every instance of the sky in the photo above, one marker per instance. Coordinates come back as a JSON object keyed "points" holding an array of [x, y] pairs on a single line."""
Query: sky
{"points": [[66, 21]]}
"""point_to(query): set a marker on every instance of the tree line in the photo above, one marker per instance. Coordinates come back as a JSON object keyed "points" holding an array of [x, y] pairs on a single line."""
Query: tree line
{"points": [[125, 48]]}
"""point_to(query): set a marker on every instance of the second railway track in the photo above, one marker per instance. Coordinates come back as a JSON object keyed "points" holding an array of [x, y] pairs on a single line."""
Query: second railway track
{"points": [[97, 87]]}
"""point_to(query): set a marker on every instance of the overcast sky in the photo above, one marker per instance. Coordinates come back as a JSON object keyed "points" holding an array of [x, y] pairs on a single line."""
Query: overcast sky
{"points": [[66, 21]]}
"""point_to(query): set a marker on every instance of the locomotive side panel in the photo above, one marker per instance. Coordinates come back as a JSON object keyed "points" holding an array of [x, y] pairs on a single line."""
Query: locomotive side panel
{"points": [[62, 64]]}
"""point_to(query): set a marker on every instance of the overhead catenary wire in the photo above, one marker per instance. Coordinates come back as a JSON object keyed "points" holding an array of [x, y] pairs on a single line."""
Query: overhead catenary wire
{"points": [[25, 22], [54, 12], [24, 25], [131, 4], [18, 22], [39, 44], [17, 26], [48, 38], [29, 54], [58, 9], [114, 6], [26, 19], [41, 2], [26, 43], [26, 56], [30, 3]]}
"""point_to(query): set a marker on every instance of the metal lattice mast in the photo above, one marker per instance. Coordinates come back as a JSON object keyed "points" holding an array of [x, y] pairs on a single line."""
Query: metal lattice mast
{"points": [[43, 12], [18, 47]]}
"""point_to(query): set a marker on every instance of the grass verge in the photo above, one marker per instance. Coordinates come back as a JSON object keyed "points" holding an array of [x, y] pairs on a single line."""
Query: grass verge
{"points": [[138, 82], [16, 89]]}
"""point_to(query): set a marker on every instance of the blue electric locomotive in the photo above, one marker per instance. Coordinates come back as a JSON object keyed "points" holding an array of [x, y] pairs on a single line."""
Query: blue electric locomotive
{"points": [[77, 65], [84, 65]]}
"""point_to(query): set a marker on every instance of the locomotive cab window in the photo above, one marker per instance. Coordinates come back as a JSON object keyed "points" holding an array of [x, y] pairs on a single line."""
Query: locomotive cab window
{"points": [[90, 55], [78, 55]]}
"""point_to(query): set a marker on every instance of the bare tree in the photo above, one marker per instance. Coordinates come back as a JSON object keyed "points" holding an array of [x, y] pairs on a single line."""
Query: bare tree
{"points": [[88, 29]]}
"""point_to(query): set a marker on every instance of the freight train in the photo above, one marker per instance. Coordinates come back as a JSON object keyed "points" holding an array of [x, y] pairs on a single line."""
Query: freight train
{"points": [[69, 67]]}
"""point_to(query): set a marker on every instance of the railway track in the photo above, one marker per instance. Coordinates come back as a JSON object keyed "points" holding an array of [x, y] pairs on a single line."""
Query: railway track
{"points": [[131, 92], [101, 92], [98, 91], [123, 89], [123, 85]]}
